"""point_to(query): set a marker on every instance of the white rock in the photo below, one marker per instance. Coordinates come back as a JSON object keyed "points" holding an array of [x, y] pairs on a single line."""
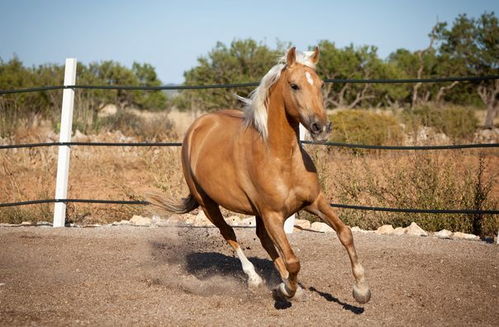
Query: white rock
{"points": [[174, 219], [465, 236], [140, 221], [188, 218], [26, 223], [302, 223], [162, 222], [356, 229], [321, 227], [399, 231], [92, 225], [251, 221], [43, 223], [444, 233], [385, 230], [415, 230]]}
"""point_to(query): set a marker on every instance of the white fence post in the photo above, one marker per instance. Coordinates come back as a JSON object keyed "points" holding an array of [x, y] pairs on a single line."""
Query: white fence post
{"points": [[289, 223], [61, 186]]}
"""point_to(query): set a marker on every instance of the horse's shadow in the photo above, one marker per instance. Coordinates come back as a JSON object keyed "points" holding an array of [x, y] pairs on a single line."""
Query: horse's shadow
{"points": [[355, 309], [205, 265]]}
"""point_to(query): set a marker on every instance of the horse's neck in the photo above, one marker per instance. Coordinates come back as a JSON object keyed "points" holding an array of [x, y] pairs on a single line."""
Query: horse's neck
{"points": [[282, 129]]}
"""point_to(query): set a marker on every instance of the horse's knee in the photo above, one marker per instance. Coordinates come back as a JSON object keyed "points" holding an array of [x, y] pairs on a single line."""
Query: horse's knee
{"points": [[293, 265]]}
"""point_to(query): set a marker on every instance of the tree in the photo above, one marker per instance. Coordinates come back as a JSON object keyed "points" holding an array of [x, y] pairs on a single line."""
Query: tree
{"points": [[242, 61], [353, 63], [473, 46], [146, 76], [13, 75]]}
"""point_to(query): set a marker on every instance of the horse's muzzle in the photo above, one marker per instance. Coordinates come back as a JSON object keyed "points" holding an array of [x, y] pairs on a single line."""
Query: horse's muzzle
{"points": [[320, 130]]}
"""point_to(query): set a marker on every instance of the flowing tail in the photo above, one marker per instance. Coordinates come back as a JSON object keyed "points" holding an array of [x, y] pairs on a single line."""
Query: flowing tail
{"points": [[186, 204]]}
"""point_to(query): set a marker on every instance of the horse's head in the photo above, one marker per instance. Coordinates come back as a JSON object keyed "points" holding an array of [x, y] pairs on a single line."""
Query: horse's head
{"points": [[302, 92]]}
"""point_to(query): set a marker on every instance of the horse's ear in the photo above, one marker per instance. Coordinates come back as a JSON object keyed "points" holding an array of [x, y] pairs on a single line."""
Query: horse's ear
{"points": [[315, 56], [291, 57]]}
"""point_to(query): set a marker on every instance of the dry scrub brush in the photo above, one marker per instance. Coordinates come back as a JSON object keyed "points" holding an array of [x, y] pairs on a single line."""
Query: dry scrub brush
{"points": [[108, 173], [430, 180], [426, 180]]}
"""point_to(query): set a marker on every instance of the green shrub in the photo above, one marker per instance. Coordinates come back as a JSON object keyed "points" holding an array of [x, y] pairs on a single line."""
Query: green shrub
{"points": [[124, 121], [365, 127], [458, 123]]}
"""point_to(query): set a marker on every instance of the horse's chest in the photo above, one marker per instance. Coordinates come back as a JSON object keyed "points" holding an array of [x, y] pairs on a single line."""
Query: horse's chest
{"points": [[287, 190]]}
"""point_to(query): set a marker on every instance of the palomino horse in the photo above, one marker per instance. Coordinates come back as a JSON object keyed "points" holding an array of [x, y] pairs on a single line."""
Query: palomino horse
{"points": [[253, 163]]}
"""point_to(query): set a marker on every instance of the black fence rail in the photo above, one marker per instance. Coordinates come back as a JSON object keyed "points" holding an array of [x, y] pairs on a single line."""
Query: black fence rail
{"points": [[335, 144], [336, 205], [253, 84], [249, 84]]}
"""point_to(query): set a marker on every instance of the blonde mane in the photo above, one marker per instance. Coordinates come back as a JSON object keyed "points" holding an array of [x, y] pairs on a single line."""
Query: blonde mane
{"points": [[255, 109]]}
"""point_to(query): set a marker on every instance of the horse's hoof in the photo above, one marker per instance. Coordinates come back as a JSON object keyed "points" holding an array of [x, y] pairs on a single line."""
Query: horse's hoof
{"points": [[298, 296], [255, 282], [361, 294]]}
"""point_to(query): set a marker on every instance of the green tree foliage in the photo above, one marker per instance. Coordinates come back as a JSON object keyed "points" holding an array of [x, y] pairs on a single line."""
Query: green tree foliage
{"points": [[356, 63], [241, 62], [467, 47], [472, 45], [24, 106]]}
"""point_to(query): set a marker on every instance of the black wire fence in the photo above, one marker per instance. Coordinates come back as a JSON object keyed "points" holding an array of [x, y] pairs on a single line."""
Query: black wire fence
{"points": [[250, 84], [254, 84]]}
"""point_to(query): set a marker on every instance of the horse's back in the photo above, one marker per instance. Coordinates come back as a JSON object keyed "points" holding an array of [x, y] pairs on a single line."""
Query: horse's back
{"points": [[212, 128]]}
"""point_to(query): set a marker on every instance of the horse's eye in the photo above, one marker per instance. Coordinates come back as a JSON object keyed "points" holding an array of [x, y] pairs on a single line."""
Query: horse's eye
{"points": [[295, 87]]}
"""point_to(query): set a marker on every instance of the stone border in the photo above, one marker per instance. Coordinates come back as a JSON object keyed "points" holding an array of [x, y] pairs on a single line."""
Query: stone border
{"points": [[200, 220]]}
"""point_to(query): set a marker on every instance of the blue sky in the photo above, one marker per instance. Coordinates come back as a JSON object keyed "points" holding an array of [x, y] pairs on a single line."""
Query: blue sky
{"points": [[171, 35]]}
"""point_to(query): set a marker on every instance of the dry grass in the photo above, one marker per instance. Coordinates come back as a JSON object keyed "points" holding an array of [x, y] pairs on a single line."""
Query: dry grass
{"points": [[430, 179], [123, 173]]}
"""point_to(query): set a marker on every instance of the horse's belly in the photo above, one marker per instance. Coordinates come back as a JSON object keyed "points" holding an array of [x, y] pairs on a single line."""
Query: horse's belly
{"points": [[222, 187]]}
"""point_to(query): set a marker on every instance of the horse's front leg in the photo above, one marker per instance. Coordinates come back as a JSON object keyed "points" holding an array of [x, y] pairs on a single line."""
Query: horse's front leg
{"points": [[321, 208], [274, 228]]}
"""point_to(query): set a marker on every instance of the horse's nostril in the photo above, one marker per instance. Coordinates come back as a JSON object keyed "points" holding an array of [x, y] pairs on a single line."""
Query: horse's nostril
{"points": [[315, 127]]}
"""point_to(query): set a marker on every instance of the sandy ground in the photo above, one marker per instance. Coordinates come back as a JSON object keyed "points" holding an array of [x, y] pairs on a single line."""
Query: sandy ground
{"points": [[111, 276]]}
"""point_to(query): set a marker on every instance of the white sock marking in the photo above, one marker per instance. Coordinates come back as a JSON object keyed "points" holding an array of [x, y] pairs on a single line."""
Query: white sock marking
{"points": [[253, 278]]}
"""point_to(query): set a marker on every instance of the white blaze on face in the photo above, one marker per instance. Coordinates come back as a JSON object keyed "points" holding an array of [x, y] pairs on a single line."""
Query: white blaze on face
{"points": [[309, 78]]}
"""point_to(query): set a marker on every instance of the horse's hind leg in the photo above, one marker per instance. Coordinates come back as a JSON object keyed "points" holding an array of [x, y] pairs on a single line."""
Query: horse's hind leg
{"points": [[213, 213], [320, 207]]}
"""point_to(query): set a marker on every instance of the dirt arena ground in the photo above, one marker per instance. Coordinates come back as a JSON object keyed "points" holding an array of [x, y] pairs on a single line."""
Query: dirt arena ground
{"points": [[169, 276]]}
